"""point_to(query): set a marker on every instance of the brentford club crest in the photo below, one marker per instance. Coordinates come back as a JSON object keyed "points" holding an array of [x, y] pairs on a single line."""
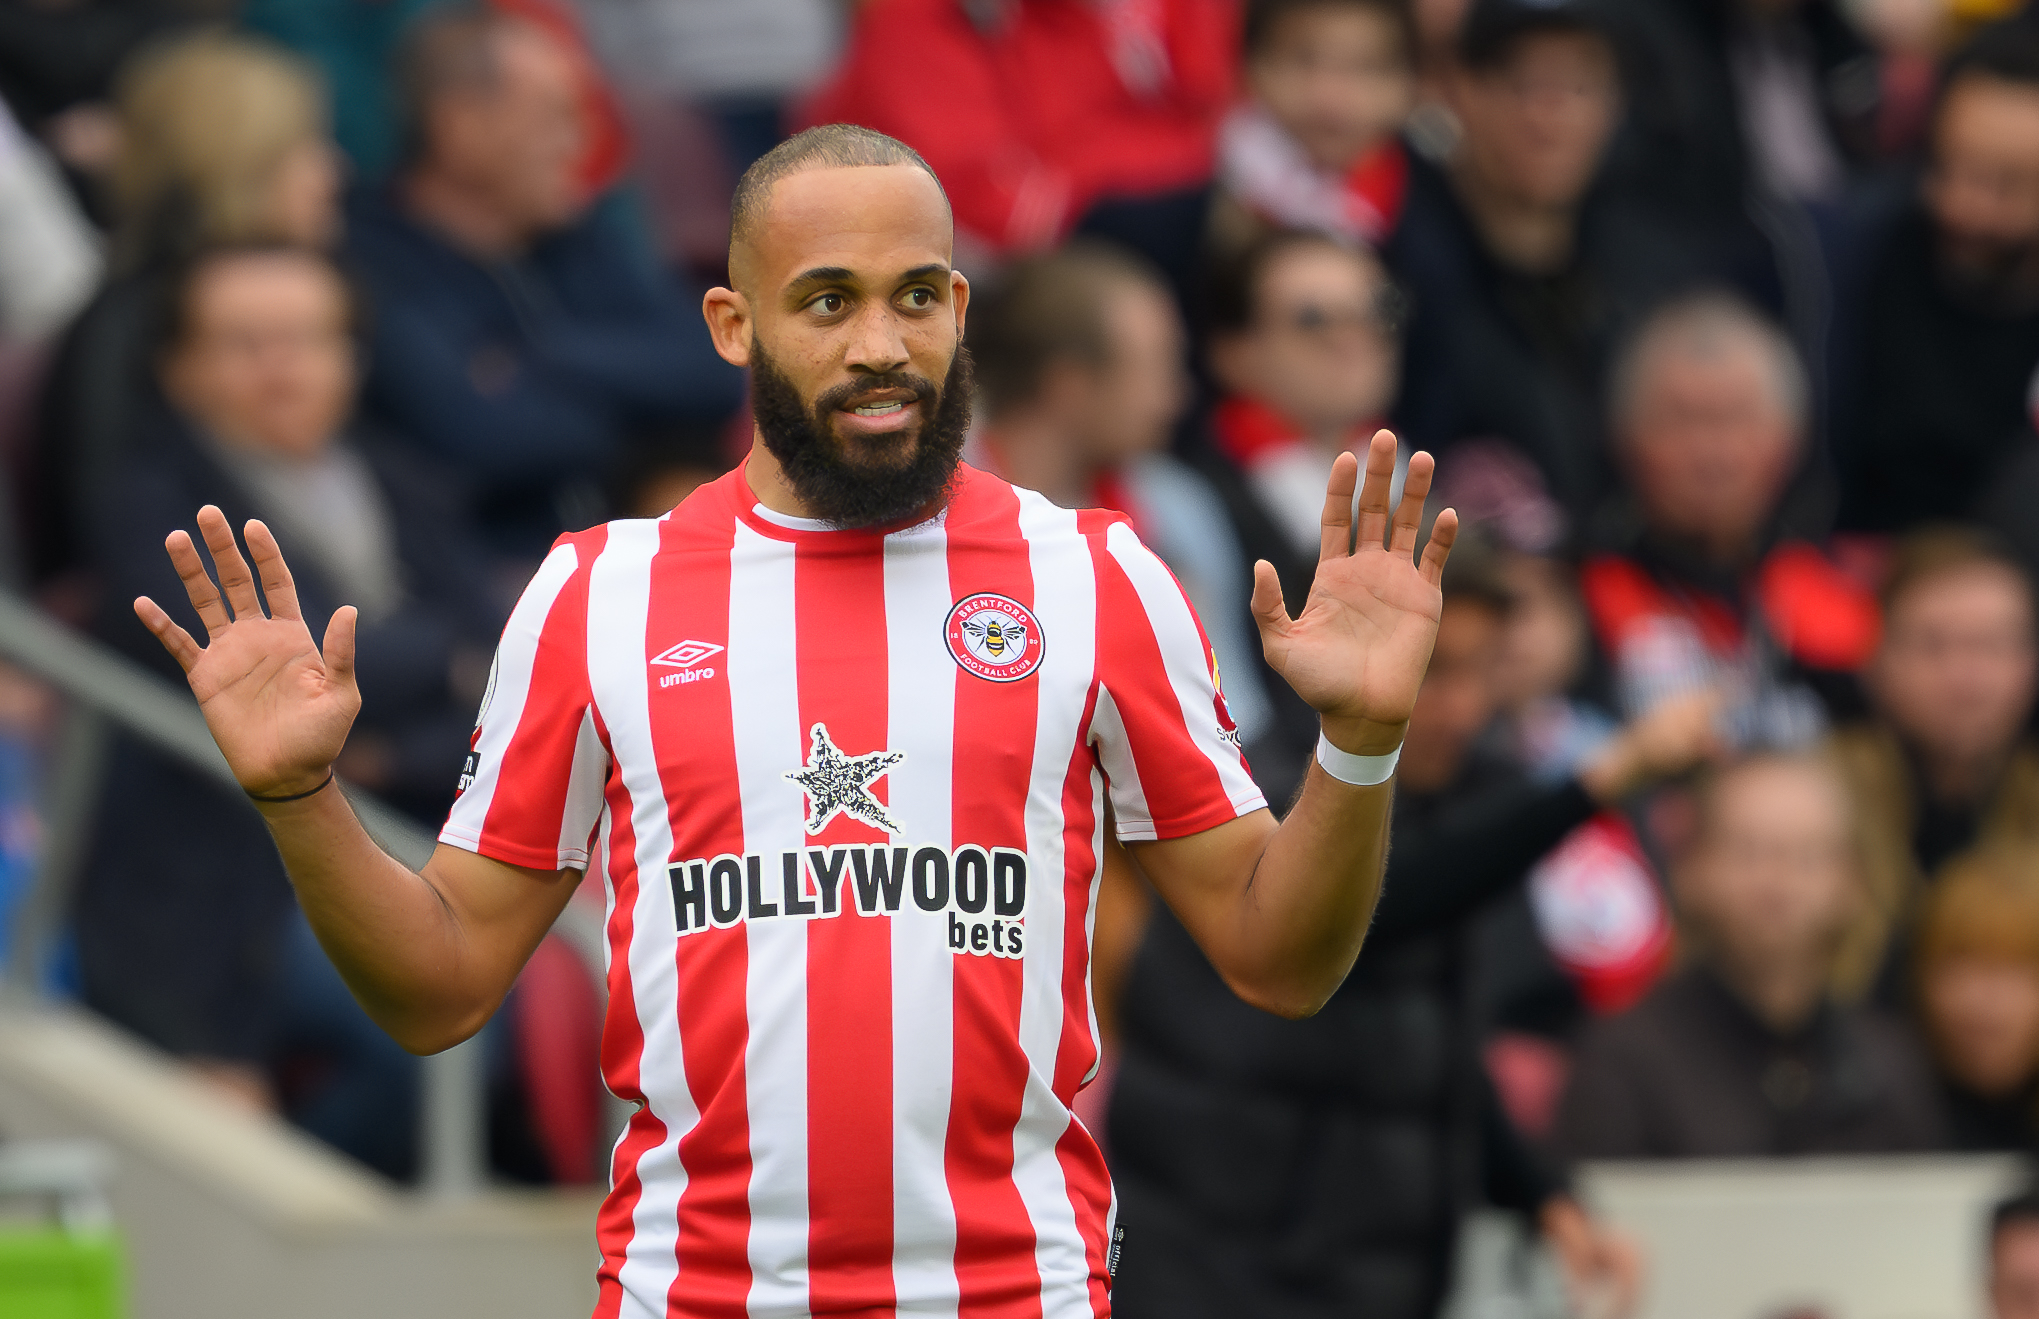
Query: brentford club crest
{"points": [[995, 638]]}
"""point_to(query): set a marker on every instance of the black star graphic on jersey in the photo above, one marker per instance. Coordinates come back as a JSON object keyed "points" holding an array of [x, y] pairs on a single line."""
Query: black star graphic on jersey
{"points": [[840, 784]]}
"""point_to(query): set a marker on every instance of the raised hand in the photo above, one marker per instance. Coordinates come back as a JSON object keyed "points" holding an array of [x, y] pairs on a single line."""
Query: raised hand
{"points": [[1358, 650], [278, 707]]}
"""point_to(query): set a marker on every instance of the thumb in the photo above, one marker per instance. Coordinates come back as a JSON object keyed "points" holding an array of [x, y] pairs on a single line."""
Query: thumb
{"points": [[339, 647], [1269, 611]]}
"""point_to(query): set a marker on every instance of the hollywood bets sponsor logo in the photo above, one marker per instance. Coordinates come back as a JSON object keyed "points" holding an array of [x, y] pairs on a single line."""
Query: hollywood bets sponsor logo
{"points": [[982, 890], [994, 637]]}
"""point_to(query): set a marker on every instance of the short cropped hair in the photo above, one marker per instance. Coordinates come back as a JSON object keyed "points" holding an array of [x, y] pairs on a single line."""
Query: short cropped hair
{"points": [[2007, 52], [1263, 16], [1936, 549], [825, 146], [1232, 288], [1702, 325], [449, 51], [175, 316], [1048, 309]]}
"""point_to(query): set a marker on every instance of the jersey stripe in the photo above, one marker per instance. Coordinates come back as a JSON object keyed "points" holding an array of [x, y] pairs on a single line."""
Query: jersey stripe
{"points": [[921, 697], [617, 606], [1067, 869], [996, 727], [691, 744], [838, 590]]}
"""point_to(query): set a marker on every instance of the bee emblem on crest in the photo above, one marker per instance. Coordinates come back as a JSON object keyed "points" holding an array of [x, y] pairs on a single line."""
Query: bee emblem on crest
{"points": [[994, 637]]}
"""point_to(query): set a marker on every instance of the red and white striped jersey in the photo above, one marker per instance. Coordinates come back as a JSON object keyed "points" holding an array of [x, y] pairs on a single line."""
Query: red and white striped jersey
{"points": [[847, 792]]}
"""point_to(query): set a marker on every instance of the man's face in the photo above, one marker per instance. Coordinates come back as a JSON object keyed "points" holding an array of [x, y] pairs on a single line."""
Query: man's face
{"points": [[1983, 187], [1772, 878], [2014, 1272], [1537, 125], [517, 140], [1127, 406], [1956, 672], [1460, 696], [851, 318], [1320, 350], [1336, 77], [1709, 445], [266, 361]]}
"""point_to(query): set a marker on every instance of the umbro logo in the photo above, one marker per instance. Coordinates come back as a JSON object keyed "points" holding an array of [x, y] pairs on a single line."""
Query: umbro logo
{"points": [[685, 657]]}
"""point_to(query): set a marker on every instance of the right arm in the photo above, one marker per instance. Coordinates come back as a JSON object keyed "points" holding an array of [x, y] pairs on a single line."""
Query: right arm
{"points": [[429, 954]]}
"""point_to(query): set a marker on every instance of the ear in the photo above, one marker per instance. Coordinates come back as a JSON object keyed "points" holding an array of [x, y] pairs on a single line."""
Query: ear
{"points": [[959, 298], [729, 324]]}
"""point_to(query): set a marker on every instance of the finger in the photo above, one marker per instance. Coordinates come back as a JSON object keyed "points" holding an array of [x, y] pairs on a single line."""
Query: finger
{"points": [[1409, 513], [1442, 536], [1337, 541], [174, 638], [1373, 495], [198, 587], [1269, 611], [277, 583], [235, 581], [339, 645]]}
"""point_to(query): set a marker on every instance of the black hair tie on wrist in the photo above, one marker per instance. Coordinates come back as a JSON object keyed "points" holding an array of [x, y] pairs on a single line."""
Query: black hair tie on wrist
{"points": [[295, 796]]}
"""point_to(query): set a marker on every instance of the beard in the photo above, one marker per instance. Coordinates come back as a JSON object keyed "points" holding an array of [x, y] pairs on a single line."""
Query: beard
{"points": [[863, 483]]}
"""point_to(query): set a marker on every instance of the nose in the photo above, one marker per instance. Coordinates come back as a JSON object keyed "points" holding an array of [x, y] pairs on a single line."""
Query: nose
{"points": [[875, 344]]}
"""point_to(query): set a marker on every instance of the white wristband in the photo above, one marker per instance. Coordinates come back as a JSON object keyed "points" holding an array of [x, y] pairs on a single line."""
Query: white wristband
{"points": [[1359, 771]]}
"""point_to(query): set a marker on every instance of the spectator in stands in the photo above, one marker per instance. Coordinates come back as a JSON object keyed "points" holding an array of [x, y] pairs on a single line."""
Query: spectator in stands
{"points": [[1946, 763], [1319, 1167], [1520, 274], [1702, 582], [1080, 376], [222, 140], [2014, 1258], [1978, 996], [1303, 341], [1315, 145], [1041, 109], [523, 334], [186, 929], [1950, 321], [1745, 1053], [50, 262]]}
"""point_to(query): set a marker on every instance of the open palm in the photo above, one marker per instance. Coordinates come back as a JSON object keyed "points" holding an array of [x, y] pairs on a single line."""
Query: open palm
{"points": [[1358, 650], [278, 706]]}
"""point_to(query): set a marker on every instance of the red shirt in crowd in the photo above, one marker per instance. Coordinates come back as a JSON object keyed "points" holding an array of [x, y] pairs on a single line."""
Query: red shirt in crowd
{"points": [[1030, 110]]}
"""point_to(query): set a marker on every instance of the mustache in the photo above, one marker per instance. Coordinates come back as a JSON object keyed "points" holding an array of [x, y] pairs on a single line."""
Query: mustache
{"points": [[834, 398]]}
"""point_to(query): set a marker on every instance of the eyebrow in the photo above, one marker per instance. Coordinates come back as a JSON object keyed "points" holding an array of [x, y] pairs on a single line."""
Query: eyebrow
{"points": [[818, 275]]}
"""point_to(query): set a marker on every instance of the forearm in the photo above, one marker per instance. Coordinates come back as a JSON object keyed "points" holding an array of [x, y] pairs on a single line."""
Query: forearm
{"points": [[1303, 911], [390, 932]]}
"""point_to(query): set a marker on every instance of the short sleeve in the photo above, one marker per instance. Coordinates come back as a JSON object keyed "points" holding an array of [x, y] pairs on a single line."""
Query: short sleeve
{"points": [[1168, 744], [531, 791]]}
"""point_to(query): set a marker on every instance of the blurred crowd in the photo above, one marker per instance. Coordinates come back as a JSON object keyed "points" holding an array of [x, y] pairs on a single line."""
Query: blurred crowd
{"points": [[1717, 831]]}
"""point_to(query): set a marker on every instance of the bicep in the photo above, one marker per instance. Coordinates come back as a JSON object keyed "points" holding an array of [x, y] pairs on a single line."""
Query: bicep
{"points": [[501, 910], [1201, 876]]}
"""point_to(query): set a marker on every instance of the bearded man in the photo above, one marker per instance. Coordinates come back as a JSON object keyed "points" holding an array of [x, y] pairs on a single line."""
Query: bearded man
{"points": [[841, 735]]}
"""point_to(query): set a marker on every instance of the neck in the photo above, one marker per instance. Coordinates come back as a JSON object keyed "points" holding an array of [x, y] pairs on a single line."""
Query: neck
{"points": [[1035, 453], [471, 221], [1955, 779], [1782, 994], [1526, 236]]}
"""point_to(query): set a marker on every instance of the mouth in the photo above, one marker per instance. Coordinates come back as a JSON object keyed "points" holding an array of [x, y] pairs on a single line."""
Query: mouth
{"points": [[879, 414]]}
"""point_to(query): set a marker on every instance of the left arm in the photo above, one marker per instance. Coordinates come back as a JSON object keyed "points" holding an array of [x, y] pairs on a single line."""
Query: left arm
{"points": [[1281, 909]]}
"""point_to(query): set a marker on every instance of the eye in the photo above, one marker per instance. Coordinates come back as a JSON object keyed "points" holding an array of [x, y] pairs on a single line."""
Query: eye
{"points": [[920, 299], [828, 304]]}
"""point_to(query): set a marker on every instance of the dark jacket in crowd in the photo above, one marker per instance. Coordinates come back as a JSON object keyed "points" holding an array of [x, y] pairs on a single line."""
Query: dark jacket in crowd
{"points": [[1494, 353], [1991, 1124], [1941, 397], [527, 376], [1294, 1169], [183, 901], [1692, 1073]]}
